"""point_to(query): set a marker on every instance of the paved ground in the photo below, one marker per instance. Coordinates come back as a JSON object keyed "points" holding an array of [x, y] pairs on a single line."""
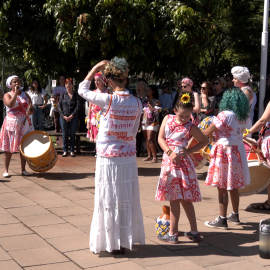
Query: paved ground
{"points": [[45, 221]]}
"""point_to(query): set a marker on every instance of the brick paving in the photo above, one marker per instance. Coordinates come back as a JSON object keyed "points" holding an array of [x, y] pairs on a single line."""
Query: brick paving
{"points": [[45, 223]]}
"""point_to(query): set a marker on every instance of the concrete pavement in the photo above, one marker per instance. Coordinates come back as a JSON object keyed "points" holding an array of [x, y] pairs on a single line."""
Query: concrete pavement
{"points": [[45, 223]]}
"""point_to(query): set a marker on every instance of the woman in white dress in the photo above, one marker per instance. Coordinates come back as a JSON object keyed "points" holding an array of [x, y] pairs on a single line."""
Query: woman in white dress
{"points": [[117, 220]]}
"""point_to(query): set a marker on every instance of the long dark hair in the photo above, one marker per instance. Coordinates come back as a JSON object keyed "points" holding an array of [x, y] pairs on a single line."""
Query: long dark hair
{"points": [[155, 91], [39, 86]]}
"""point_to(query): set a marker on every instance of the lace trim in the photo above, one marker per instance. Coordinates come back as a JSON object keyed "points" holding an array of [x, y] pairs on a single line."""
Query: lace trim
{"points": [[120, 205]]}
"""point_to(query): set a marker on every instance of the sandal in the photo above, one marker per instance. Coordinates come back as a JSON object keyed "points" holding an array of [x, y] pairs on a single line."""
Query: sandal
{"points": [[72, 154], [147, 159], [64, 154], [154, 160], [262, 206]]}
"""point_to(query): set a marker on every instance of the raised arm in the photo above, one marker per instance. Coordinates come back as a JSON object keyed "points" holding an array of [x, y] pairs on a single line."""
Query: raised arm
{"points": [[100, 99]]}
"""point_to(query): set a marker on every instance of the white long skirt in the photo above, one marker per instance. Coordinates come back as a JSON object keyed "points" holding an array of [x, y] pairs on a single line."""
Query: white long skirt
{"points": [[117, 219]]}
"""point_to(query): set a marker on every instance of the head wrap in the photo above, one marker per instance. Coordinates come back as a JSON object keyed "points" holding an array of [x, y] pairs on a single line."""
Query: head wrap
{"points": [[187, 81], [9, 80], [241, 73], [101, 77]]}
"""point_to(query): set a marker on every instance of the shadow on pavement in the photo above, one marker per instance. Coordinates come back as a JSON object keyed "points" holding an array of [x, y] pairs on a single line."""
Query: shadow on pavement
{"points": [[148, 171], [64, 176]]}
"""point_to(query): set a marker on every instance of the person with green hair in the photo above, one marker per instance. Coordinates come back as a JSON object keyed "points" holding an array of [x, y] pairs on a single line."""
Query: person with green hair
{"points": [[228, 169], [117, 219]]}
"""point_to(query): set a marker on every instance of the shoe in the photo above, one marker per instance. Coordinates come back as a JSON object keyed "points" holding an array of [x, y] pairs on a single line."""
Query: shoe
{"points": [[173, 239], [64, 154], [234, 218], [5, 174], [218, 223], [194, 237], [25, 173], [147, 159], [72, 154], [154, 160]]}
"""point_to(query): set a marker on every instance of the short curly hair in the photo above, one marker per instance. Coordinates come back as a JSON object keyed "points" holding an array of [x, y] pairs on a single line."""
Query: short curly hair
{"points": [[235, 100], [117, 69]]}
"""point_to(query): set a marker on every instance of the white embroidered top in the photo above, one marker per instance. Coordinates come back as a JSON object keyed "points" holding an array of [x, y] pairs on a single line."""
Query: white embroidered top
{"points": [[119, 123]]}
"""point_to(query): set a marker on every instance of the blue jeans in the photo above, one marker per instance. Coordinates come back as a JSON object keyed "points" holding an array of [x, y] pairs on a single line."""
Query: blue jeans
{"points": [[65, 126], [37, 118]]}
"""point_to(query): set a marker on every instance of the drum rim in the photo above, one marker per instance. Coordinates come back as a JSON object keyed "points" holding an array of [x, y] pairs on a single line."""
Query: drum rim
{"points": [[30, 133]]}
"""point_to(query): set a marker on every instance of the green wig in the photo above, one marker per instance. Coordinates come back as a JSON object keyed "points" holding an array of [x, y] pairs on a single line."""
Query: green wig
{"points": [[235, 100]]}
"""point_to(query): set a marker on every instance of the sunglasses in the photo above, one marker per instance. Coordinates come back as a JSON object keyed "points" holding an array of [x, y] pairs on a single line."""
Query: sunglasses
{"points": [[203, 88], [184, 86], [216, 83]]}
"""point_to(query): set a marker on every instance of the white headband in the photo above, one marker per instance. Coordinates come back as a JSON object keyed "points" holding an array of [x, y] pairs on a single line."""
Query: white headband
{"points": [[241, 73], [9, 80]]}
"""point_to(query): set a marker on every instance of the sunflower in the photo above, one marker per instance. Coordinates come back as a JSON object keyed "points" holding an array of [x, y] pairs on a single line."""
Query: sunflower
{"points": [[185, 98]]}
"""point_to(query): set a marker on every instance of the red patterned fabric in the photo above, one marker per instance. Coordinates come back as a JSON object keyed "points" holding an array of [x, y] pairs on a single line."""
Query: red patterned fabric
{"points": [[228, 166], [177, 180]]}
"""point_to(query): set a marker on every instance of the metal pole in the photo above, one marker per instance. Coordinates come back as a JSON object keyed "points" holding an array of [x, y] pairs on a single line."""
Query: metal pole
{"points": [[264, 56]]}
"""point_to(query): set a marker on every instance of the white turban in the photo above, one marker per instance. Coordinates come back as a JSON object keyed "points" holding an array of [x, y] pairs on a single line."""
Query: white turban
{"points": [[241, 73], [9, 80]]}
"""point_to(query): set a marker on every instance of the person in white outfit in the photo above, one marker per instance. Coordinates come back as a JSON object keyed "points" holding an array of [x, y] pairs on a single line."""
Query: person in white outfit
{"points": [[117, 220]]}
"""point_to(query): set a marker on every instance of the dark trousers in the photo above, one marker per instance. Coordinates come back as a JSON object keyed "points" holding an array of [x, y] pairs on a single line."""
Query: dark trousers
{"points": [[72, 126], [57, 126]]}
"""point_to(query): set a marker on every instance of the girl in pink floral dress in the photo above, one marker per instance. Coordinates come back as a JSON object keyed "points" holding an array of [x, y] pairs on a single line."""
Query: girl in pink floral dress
{"points": [[178, 181], [228, 169], [100, 82]]}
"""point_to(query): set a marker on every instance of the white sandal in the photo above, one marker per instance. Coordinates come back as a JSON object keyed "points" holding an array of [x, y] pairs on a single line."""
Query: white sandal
{"points": [[5, 174], [25, 173]]}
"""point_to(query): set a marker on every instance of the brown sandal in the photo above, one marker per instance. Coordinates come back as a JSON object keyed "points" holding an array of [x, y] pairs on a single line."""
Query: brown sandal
{"points": [[154, 160], [262, 206], [147, 159]]}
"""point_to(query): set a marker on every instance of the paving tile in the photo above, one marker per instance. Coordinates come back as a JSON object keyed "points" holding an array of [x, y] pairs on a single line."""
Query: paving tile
{"points": [[86, 259], [43, 195], [9, 265], [8, 219], [41, 220], [4, 256], [30, 190], [16, 203], [122, 265], [69, 211], [70, 243], [152, 254], [189, 265], [38, 256], [13, 229], [10, 196], [56, 230], [242, 265], [19, 242], [77, 195], [3, 211], [84, 228], [208, 256], [28, 211], [79, 220], [88, 204], [56, 203], [5, 189], [56, 266]]}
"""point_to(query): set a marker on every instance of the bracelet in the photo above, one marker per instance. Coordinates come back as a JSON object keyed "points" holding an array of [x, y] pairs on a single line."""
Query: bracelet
{"points": [[169, 152], [247, 132]]}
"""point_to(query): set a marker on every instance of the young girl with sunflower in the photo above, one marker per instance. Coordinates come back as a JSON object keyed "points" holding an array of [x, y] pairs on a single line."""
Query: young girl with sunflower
{"points": [[178, 181]]}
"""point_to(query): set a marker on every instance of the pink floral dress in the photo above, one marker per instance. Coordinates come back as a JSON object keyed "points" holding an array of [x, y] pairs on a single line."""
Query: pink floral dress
{"points": [[228, 167], [264, 143], [177, 180], [15, 125], [93, 132]]}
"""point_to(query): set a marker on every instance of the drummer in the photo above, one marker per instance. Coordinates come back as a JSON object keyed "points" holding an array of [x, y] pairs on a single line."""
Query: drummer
{"points": [[228, 169], [264, 142], [17, 122]]}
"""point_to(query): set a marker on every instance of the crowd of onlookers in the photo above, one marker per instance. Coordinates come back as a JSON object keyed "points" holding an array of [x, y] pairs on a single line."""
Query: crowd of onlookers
{"points": [[157, 101]]}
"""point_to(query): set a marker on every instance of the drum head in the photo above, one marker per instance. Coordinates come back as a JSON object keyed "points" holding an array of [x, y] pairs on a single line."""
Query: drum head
{"points": [[36, 144], [260, 179]]}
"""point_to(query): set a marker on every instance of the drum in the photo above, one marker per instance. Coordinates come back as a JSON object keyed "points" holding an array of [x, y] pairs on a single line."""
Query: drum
{"points": [[37, 148], [205, 123], [258, 169], [198, 160]]}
